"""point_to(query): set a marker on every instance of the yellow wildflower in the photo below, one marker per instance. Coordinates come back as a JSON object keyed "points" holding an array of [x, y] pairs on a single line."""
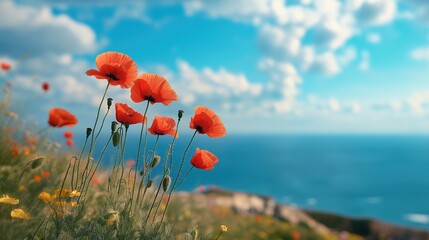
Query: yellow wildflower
{"points": [[46, 197], [223, 228], [74, 193], [19, 213], [8, 200], [73, 204], [66, 193], [21, 188]]}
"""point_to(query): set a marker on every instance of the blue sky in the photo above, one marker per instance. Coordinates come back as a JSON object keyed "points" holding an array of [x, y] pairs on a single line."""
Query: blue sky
{"points": [[266, 66]]}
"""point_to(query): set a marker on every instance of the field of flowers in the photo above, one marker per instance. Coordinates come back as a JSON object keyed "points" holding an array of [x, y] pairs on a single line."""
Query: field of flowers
{"points": [[47, 194]]}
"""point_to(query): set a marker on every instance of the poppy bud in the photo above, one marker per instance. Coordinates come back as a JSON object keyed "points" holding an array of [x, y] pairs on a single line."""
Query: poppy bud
{"points": [[223, 228], [88, 132], [155, 161], [37, 163], [116, 139], [114, 126], [109, 102], [127, 125], [180, 114], [149, 184], [166, 183]]}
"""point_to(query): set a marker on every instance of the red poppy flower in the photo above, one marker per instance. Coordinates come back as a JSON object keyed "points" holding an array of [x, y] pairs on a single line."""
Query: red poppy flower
{"points": [[69, 142], [68, 134], [205, 121], [204, 160], [59, 117], [153, 88], [5, 66], [125, 114], [45, 86], [116, 67], [162, 125]]}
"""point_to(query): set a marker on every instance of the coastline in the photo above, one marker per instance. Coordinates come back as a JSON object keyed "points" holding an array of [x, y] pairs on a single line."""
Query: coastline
{"points": [[323, 223]]}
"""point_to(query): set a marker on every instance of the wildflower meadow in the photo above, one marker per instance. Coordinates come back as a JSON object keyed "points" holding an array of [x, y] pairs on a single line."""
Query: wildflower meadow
{"points": [[49, 194]]}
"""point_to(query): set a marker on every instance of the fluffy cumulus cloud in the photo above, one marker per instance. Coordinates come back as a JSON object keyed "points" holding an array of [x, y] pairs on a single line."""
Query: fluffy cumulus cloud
{"points": [[306, 36], [283, 86], [44, 47], [38, 30], [209, 86], [376, 12]]}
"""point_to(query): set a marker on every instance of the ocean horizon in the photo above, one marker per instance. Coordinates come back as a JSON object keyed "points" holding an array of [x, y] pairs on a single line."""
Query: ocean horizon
{"points": [[382, 177]]}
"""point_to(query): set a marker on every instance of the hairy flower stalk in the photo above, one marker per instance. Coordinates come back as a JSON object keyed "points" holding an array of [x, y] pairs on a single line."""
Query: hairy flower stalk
{"points": [[169, 155], [177, 175], [122, 158], [92, 145], [138, 155]]}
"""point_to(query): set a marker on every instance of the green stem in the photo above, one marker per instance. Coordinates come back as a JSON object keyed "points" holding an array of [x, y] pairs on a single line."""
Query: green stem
{"points": [[122, 160], [79, 160], [218, 236], [96, 167], [184, 178], [177, 176], [138, 154], [64, 180], [91, 148]]}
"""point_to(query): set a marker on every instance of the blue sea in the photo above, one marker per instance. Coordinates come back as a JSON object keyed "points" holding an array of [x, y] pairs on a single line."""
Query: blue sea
{"points": [[364, 176]]}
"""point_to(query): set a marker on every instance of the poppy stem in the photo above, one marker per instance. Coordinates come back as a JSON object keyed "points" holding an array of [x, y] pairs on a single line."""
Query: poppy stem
{"points": [[112, 176], [79, 160], [98, 115], [177, 176], [184, 178], [96, 167], [168, 156], [64, 180], [122, 160], [91, 148], [138, 155], [218, 236], [153, 203]]}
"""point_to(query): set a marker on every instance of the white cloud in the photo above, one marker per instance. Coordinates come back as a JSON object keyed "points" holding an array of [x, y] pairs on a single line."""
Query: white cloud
{"points": [[211, 87], [346, 56], [280, 43], [364, 61], [283, 84], [376, 12], [240, 10], [331, 34], [421, 54], [373, 38], [420, 11], [39, 30], [325, 64], [316, 105]]}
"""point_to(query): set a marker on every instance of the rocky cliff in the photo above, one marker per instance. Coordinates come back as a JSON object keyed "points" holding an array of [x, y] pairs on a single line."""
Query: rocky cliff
{"points": [[322, 223]]}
